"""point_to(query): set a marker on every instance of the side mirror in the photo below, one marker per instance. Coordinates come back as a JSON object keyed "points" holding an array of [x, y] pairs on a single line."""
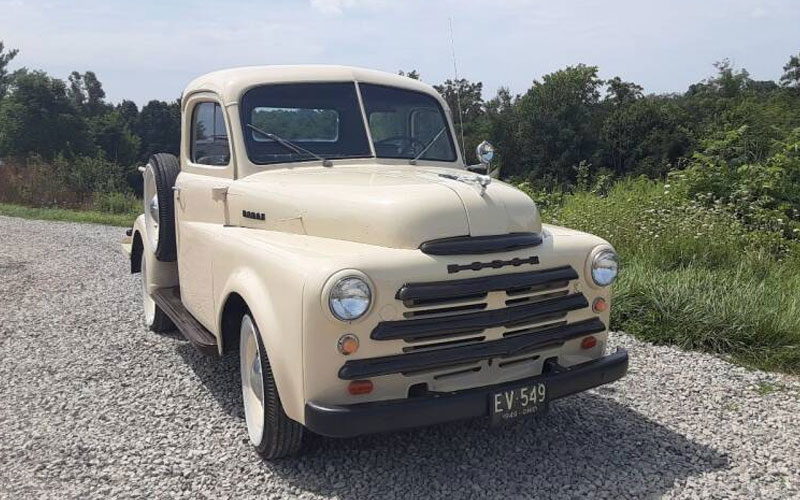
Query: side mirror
{"points": [[485, 154]]}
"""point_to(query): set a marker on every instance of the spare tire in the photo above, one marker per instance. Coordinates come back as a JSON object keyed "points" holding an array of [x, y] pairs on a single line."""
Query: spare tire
{"points": [[159, 204]]}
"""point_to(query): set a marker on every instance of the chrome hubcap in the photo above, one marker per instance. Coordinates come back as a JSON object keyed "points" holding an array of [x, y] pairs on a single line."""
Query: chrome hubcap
{"points": [[252, 380]]}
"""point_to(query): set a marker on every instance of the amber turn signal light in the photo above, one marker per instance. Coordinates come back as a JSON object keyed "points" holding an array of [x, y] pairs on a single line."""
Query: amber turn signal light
{"points": [[358, 387], [599, 305], [348, 344], [588, 342]]}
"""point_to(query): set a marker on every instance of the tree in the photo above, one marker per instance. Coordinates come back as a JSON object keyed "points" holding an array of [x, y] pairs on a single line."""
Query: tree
{"points": [[558, 123], [112, 135], [464, 95], [87, 94], [129, 112], [619, 92], [6, 56], [501, 124], [159, 128], [790, 78], [466, 103], [413, 74], [37, 117], [727, 83], [645, 137], [75, 92]]}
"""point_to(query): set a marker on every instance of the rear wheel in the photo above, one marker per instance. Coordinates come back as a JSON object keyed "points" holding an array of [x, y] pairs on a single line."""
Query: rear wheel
{"points": [[154, 317], [272, 433]]}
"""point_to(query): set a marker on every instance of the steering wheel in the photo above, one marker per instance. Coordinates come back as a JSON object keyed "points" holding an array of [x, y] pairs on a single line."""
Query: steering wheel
{"points": [[405, 144]]}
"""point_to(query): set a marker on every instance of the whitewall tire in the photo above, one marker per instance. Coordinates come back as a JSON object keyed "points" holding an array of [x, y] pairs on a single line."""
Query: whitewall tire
{"points": [[273, 434]]}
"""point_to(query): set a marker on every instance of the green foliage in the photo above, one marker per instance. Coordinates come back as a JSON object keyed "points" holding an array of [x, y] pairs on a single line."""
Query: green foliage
{"points": [[6, 56], [117, 203], [159, 128], [465, 101], [693, 275], [86, 93], [764, 194], [558, 123], [645, 136], [61, 182], [790, 78], [37, 117], [620, 93], [413, 74], [114, 138]]}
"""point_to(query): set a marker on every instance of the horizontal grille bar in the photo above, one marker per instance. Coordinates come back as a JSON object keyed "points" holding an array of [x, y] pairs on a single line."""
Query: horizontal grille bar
{"points": [[417, 329], [468, 287], [475, 245], [442, 358]]}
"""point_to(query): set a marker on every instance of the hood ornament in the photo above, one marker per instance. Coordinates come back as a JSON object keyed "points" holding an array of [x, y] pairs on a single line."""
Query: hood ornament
{"points": [[481, 182]]}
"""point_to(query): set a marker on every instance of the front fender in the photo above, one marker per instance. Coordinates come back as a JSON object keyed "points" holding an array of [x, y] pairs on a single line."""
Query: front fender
{"points": [[264, 276]]}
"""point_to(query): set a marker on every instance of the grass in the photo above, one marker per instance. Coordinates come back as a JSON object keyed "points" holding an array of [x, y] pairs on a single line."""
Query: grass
{"points": [[693, 276], [60, 214]]}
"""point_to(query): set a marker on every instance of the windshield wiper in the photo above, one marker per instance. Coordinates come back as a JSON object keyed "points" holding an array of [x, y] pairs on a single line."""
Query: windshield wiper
{"points": [[290, 145], [427, 146]]}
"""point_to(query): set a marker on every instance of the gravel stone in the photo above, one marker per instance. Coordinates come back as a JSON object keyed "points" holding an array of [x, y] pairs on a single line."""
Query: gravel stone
{"points": [[93, 405]]}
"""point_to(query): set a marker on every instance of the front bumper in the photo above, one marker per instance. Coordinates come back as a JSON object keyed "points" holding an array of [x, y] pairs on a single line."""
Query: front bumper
{"points": [[369, 418]]}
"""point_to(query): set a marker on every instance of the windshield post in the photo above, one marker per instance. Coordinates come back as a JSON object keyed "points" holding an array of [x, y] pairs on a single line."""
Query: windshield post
{"points": [[365, 119]]}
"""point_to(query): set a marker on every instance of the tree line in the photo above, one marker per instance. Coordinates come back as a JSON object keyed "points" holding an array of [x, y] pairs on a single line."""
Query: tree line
{"points": [[568, 126], [572, 119]]}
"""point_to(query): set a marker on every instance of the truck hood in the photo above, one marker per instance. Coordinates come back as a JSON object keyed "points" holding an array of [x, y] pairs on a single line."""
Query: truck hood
{"points": [[385, 205]]}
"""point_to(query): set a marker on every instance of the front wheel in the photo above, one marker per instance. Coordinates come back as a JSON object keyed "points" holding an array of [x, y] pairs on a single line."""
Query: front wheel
{"points": [[272, 433]]}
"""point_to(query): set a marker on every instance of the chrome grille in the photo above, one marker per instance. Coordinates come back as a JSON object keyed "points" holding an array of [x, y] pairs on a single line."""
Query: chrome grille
{"points": [[452, 327]]}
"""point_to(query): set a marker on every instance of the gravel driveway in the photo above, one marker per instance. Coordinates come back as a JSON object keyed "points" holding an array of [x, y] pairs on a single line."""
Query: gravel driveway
{"points": [[93, 405]]}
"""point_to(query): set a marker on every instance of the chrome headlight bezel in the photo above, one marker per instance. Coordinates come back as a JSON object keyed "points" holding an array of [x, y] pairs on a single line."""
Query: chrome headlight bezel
{"points": [[604, 267], [352, 288]]}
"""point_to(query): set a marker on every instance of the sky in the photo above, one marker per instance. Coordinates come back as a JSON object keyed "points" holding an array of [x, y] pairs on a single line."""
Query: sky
{"points": [[150, 49]]}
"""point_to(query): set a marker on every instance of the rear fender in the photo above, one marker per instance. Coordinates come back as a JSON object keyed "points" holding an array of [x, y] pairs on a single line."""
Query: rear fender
{"points": [[159, 274]]}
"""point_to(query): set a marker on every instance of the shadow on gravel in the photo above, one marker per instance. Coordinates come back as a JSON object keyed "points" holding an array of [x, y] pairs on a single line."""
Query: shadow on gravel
{"points": [[585, 445]]}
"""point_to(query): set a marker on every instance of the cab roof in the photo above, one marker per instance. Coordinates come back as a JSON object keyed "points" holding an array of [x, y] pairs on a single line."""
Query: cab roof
{"points": [[231, 84]]}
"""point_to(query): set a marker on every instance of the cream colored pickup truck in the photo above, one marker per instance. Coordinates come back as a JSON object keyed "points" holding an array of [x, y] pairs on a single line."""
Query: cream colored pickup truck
{"points": [[322, 223]]}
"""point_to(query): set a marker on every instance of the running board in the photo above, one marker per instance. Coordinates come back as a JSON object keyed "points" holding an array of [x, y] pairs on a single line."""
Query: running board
{"points": [[169, 300]]}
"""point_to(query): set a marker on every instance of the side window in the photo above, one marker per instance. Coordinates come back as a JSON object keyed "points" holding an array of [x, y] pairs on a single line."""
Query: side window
{"points": [[209, 137]]}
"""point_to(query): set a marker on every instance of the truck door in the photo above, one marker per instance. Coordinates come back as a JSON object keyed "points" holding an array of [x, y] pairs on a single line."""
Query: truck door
{"points": [[207, 167]]}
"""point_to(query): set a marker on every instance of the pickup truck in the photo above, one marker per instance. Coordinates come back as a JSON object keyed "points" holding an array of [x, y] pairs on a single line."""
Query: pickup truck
{"points": [[322, 224]]}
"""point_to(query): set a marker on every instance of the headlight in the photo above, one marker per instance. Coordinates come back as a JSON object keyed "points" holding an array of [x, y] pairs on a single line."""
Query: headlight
{"points": [[350, 298], [605, 267]]}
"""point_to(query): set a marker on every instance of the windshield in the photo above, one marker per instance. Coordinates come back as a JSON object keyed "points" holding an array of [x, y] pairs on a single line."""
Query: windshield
{"points": [[311, 121], [406, 124], [322, 118]]}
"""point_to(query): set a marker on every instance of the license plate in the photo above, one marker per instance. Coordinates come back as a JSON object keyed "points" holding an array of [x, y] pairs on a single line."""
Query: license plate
{"points": [[515, 403]]}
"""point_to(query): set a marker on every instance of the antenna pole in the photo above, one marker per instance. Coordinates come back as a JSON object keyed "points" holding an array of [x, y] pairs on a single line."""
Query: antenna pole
{"points": [[458, 90]]}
